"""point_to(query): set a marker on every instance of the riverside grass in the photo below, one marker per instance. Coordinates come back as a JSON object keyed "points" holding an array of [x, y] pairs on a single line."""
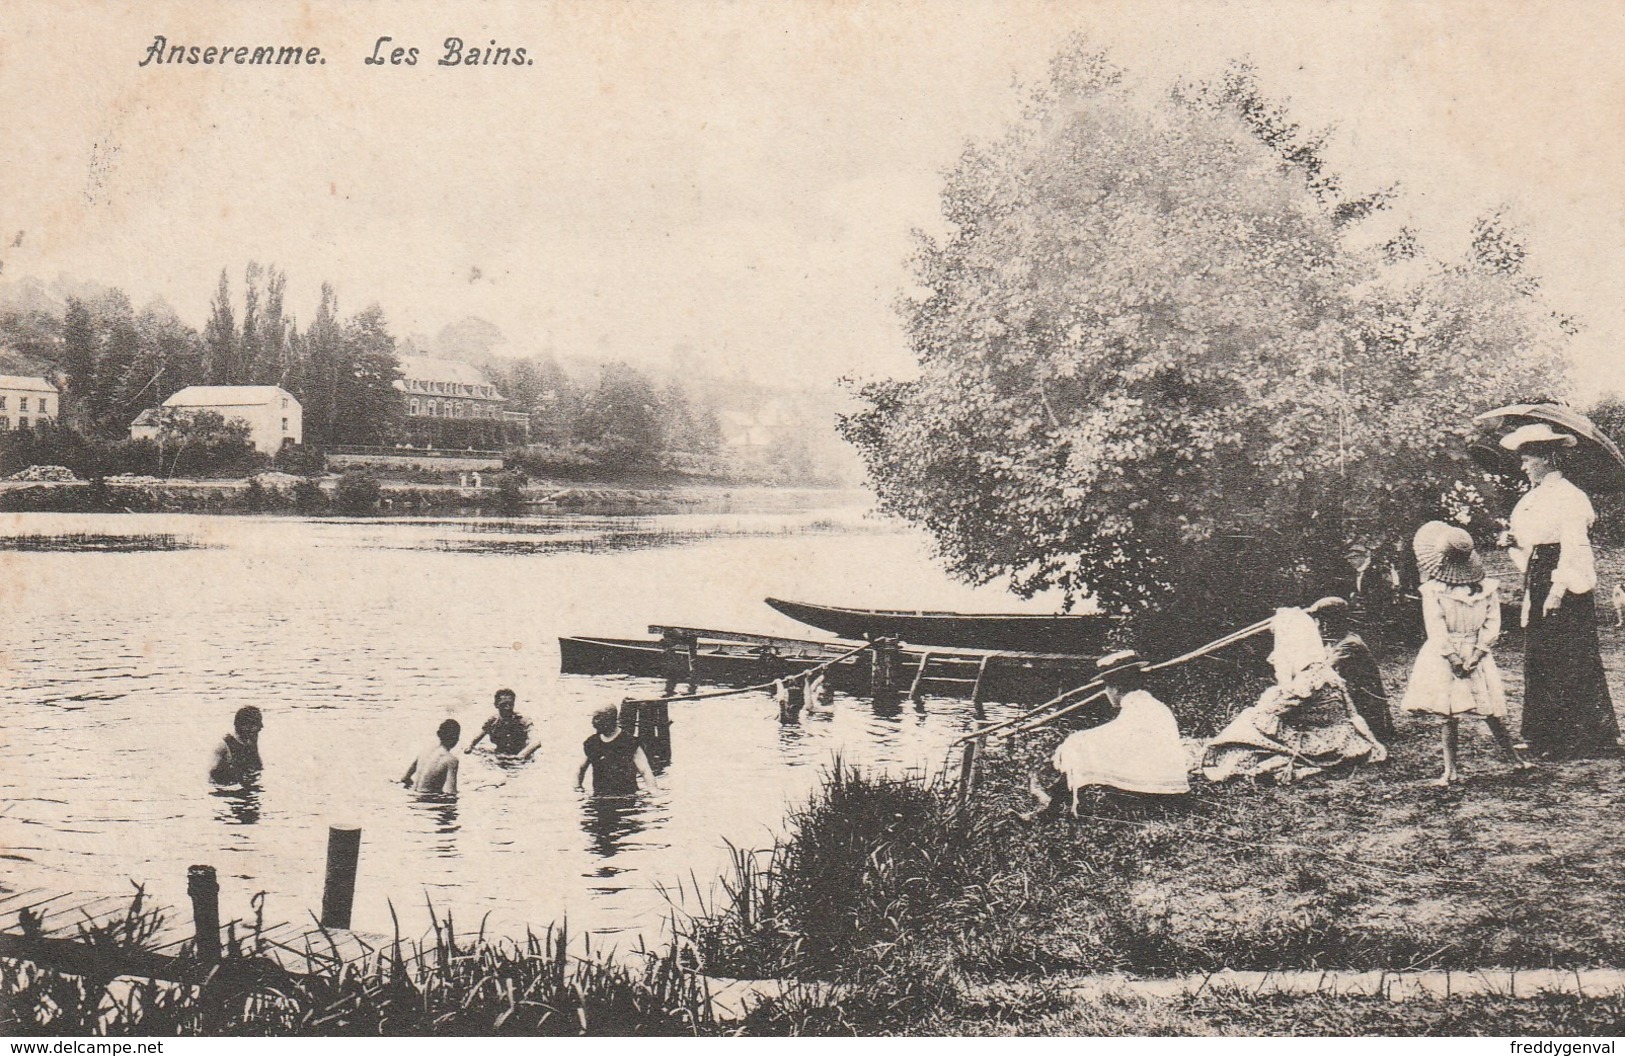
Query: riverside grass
{"points": [[889, 909]]}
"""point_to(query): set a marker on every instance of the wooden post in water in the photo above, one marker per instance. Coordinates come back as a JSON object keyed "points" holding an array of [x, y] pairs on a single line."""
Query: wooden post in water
{"points": [[650, 723], [883, 675], [967, 772], [204, 891], [338, 891]]}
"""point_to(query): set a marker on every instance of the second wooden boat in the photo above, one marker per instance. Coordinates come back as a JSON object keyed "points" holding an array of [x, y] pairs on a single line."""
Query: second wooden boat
{"points": [[1033, 633]]}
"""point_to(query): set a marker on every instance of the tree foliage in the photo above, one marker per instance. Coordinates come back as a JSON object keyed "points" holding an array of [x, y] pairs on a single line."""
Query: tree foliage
{"points": [[1154, 367]]}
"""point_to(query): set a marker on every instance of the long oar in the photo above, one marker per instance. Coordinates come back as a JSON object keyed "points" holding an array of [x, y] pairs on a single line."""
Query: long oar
{"points": [[1072, 695], [1211, 647]]}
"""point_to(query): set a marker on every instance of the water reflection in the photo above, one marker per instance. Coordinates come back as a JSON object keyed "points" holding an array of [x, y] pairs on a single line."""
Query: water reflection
{"points": [[239, 805], [609, 821], [440, 811]]}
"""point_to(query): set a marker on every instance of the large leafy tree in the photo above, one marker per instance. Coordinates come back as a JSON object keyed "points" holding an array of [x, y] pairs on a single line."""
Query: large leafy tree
{"points": [[1154, 367]]}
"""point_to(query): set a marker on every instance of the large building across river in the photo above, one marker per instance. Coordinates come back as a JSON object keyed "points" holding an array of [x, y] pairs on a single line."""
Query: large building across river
{"points": [[439, 392]]}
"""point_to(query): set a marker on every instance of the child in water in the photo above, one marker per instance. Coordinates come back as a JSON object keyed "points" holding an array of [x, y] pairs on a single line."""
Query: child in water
{"points": [[614, 757], [1455, 674]]}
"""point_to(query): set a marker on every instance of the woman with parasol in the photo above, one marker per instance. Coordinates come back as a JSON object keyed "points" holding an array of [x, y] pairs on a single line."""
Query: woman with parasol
{"points": [[1567, 712]]}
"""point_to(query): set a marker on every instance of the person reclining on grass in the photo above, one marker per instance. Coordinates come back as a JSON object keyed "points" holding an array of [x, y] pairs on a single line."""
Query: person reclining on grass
{"points": [[1302, 725], [1138, 751]]}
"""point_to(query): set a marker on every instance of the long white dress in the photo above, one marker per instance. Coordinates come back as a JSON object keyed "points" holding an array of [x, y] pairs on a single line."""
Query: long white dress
{"points": [[1459, 620], [1138, 751]]}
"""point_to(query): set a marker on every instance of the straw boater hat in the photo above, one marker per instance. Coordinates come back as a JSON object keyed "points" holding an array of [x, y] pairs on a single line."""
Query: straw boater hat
{"points": [[1445, 553], [1538, 433], [1118, 662]]}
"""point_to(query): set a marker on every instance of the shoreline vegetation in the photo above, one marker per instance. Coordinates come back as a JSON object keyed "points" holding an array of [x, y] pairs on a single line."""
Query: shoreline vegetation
{"points": [[892, 908], [362, 494]]}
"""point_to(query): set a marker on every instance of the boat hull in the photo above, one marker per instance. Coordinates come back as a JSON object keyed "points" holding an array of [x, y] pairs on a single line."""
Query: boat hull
{"points": [[1083, 635]]}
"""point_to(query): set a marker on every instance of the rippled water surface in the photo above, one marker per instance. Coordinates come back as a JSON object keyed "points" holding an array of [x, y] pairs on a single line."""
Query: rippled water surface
{"points": [[122, 667]]}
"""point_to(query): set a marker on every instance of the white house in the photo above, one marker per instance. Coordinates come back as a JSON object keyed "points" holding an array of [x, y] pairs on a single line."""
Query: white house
{"points": [[27, 401], [273, 416]]}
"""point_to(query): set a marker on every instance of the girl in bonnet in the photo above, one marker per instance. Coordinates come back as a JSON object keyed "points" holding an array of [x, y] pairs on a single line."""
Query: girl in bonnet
{"points": [[1455, 674]]}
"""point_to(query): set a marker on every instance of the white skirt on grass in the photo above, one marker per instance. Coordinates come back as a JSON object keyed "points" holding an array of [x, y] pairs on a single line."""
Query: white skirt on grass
{"points": [[1138, 751]]}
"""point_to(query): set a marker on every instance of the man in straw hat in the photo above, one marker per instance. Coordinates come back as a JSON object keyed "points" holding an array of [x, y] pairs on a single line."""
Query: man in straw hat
{"points": [[1138, 751]]}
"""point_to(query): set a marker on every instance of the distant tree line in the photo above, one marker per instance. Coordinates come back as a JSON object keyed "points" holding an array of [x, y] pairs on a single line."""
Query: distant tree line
{"points": [[113, 362]]}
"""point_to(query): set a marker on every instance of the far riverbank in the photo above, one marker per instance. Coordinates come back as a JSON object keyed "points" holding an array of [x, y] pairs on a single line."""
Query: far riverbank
{"points": [[271, 493]]}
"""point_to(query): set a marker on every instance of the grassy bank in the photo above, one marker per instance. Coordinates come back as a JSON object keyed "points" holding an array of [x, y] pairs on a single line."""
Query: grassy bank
{"points": [[916, 909]]}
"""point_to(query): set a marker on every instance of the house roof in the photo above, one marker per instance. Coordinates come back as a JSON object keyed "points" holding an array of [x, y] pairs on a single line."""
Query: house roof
{"points": [[17, 381], [149, 416], [427, 368], [227, 396]]}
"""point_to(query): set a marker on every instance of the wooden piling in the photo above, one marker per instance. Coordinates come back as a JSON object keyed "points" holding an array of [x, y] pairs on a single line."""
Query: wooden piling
{"points": [[204, 890], [883, 674], [967, 772], [338, 890], [650, 722]]}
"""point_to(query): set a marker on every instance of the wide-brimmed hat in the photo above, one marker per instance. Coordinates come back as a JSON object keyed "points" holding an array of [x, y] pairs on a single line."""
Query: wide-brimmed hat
{"points": [[1118, 662], [1333, 605], [1445, 553], [1538, 433]]}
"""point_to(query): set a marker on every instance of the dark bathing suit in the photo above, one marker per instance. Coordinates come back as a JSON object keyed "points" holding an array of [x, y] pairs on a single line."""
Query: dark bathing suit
{"points": [[242, 762], [508, 735], [614, 764]]}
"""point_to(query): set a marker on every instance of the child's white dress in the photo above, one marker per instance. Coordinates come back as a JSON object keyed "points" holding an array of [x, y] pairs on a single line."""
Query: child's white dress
{"points": [[1459, 621]]}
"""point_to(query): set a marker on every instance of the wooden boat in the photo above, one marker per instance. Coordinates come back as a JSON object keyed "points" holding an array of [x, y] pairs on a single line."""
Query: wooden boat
{"points": [[1084, 635], [736, 659]]}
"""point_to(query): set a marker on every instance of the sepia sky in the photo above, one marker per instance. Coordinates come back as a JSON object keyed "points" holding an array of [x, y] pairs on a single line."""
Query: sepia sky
{"points": [[737, 178]]}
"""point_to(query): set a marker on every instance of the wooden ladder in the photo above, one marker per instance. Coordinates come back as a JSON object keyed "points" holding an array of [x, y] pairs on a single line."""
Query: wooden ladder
{"points": [[939, 675]]}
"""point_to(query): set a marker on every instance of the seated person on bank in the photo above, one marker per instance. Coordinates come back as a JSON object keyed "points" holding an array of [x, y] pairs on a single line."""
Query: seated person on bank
{"points": [[1355, 665], [436, 769], [1138, 751], [1302, 725], [508, 730]]}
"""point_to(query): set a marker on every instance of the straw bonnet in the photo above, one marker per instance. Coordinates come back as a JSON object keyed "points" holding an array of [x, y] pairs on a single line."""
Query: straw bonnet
{"points": [[1118, 662], [1538, 433], [1445, 553]]}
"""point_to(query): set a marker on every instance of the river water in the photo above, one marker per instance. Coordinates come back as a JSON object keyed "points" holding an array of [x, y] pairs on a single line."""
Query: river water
{"points": [[130, 640]]}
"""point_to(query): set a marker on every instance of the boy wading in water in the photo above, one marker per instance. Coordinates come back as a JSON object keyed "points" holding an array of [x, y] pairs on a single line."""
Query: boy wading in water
{"points": [[436, 768], [614, 757], [237, 757], [508, 730]]}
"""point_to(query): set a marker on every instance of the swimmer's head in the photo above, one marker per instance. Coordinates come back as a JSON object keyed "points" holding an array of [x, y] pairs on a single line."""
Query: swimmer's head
{"points": [[449, 732], [248, 721], [505, 699], [605, 720]]}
